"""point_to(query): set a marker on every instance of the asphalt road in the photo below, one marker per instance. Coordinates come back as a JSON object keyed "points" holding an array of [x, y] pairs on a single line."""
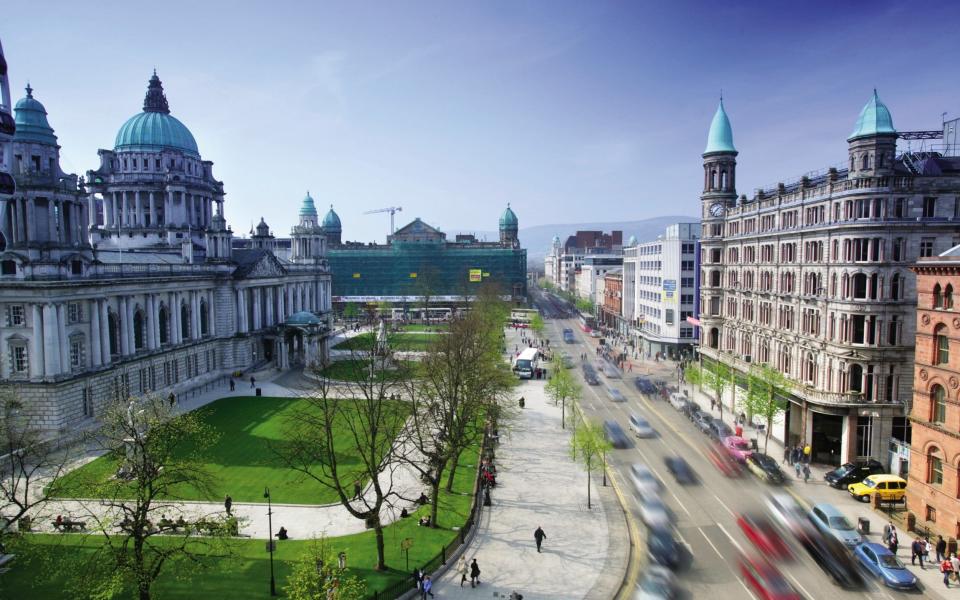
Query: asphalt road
{"points": [[706, 512]]}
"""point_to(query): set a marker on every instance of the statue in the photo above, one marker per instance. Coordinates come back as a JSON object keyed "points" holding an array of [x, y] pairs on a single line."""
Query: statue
{"points": [[381, 347], [130, 422]]}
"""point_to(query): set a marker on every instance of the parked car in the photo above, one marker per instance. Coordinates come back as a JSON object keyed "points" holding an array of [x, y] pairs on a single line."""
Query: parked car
{"points": [[663, 548], [641, 427], [764, 536], [645, 386], [702, 420], [719, 430], [658, 583], [765, 467], [645, 482], [737, 447], [883, 564], [616, 434], [849, 473], [691, 409], [680, 469], [890, 488], [678, 401], [615, 394], [766, 580], [654, 513], [831, 522]]}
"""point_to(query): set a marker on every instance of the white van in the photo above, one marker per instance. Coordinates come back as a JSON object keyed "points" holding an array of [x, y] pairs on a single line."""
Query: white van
{"points": [[526, 363], [678, 400]]}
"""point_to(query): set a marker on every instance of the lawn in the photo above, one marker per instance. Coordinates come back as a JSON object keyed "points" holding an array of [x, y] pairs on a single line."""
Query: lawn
{"points": [[358, 370], [245, 574], [242, 459], [413, 327], [401, 342]]}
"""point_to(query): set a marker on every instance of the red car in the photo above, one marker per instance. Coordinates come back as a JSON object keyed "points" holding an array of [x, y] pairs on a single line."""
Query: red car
{"points": [[722, 460], [764, 536], [766, 580], [738, 448]]}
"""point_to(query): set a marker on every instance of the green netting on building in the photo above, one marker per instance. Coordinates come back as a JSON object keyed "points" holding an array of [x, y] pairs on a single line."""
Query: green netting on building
{"points": [[441, 270]]}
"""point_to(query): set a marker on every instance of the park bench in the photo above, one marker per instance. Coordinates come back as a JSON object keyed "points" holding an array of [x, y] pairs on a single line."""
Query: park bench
{"points": [[68, 525], [6, 559]]}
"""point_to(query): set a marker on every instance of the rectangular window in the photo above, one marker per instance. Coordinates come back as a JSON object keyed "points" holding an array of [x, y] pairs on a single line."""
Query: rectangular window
{"points": [[926, 246], [76, 354], [18, 359], [900, 208], [936, 470], [15, 315], [74, 312], [87, 400], [929, 208]]}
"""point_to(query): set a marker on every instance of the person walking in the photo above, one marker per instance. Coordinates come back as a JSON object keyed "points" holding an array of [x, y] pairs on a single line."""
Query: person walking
{"points": [[927, 549], [894, 542], [946, 567], [797, 466], [228, 504], [539, 536], [357, 489], [426, 587], [253, 381], [233, 385], [806, 472], [888, 530], [172, 398], [941, 548], [916, 553], [474, 573], [417, 577], [955, 564], [463, 569]]}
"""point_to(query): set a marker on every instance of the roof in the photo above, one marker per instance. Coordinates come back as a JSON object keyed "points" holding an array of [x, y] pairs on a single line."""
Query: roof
{"points": [[509, 219], [254, 262], [155, 128], [874, 119], [308, 208], [303, 318], [720, 138], [331, 220], [31, 121]]}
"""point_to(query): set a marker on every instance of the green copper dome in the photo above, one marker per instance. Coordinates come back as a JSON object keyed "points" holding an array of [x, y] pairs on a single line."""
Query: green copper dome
{"points": [[155, 128], [31, 121], [308, 209], [720, 138], [331, 222], [303, 318], [508, 220], [874, 119]]}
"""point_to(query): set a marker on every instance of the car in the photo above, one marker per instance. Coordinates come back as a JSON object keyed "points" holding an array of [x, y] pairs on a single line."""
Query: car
{"points": [[881, 563], [658, 583], [654, 513], [691, 409], [722, 460], [594, 333], [849, 473], [678, 401], [609, 371], [663, 548], [680, 469], [702, 420], [567, 360], [766, 580], [641, 427], [590, 375], [833, 557], [615, 394], [890, 488], [765, 467], [719, 430], [615, 434], [764, 536], [831, 522], [737, 447], [645, 482], [645, 386], [789, 515]]}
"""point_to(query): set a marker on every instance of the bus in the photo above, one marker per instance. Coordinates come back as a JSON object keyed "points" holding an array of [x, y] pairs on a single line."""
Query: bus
{"points": [[526, 363], [587, 322]]}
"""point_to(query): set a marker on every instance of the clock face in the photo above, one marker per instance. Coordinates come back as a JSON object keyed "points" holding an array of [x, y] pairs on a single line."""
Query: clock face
{"points": [[716, 209]]}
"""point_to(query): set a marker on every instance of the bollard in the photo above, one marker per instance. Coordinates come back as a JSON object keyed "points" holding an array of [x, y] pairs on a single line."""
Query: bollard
{"points": [[259, 392]]}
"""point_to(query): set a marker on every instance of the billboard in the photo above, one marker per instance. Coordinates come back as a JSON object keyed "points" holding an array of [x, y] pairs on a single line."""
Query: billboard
{"points": [[476, 275]]}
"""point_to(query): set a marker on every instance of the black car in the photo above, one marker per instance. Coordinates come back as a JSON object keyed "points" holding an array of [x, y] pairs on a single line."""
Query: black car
{"points": [[849, 473], [765, 467], [691, 409], [590, 375], [616, 434], [680, 469], [719, 430], [703, 421], [663, 548], [645, 386], [834, 558]]}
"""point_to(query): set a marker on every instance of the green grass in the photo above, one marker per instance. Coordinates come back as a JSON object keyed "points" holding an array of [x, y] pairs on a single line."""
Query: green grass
{"points": [[245, 574], [357, 370], [439, 327], [242, 459], [400, 342]]}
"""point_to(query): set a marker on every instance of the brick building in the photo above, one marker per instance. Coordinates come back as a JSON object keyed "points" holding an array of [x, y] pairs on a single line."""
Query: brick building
{"points": [[611, 311], [933, 491]]}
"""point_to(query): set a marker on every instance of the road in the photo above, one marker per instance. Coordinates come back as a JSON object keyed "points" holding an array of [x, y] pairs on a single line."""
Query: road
{"points": [[707, 512]]}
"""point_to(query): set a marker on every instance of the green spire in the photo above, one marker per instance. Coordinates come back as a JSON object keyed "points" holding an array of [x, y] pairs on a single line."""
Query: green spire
{"points": [[720, 138], [874, 119]]}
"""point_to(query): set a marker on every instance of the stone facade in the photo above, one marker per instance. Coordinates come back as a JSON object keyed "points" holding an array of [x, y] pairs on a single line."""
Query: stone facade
{"points": [[933, 489]]}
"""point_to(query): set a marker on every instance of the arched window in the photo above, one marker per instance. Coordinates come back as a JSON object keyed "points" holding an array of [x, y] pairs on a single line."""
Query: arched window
{"points": [[713, 179], [866, 161], [204, 325], [895, 287], [948, 296], [784, 359], [853, 163], [184, 322], [937, 296], [810, 369], [938, 404], [113, 323], [941, 345], [163, 320], [723, 180], [139, 331], [934, 466], [856, 378], [714, 339], [880, 160]]}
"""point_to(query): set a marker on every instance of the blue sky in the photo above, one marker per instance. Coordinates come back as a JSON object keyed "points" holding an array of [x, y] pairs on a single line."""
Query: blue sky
{"points": [[570, 111]]}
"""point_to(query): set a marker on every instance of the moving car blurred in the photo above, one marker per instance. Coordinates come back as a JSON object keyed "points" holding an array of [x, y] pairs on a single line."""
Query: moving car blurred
{"points": [[678, 401], [615, 394], [609, 371], [641, 427], [654, 513], [890, 488], [789, 515], [766, 580], [616, 434], [568, 335], [702, 420], [719, 430], [663, 548], [765, 467], [646, 483], [737, 447], [764, 536], [722, 460], [590, 375], [833, 558], [831, 522], [658, 583], [645, 386], [882, 563], [849, 473], [567, 360], [680, 469]]}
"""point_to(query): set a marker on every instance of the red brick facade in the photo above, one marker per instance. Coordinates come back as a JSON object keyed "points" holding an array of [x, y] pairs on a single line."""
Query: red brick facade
{"points": [[933, 490], [612, 309]]}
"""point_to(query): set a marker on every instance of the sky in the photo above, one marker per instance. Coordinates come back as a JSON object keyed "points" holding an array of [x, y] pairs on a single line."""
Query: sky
{"points": [[568, 111]]}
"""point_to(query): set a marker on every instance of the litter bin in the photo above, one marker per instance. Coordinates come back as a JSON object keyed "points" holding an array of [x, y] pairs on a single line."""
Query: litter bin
{"points": [[753, 445], [863, 526], [259, 392]]}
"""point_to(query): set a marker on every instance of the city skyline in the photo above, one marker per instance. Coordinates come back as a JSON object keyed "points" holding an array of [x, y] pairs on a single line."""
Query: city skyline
{"points": [[454, 111]]}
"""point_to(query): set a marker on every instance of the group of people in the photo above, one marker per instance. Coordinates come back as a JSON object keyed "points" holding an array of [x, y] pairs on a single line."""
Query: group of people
{"points": [[920, 550], [799, 458]]}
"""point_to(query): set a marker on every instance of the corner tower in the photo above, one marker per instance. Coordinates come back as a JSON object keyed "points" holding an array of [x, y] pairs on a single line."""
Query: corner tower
{"points": [[332, 227], [309, 242], [509, 228], [719, 168], [873, 143]]}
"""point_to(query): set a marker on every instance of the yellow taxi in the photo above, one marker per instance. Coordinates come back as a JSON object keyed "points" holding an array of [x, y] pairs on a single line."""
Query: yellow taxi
{"points": [[890, 488]]}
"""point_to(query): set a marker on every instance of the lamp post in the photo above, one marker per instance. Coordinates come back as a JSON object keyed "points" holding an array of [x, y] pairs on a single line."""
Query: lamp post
{"points": [[273, 582]]}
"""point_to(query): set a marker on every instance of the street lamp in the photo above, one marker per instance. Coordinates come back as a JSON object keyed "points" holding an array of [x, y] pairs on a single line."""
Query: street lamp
{"points": [[273, 582]]}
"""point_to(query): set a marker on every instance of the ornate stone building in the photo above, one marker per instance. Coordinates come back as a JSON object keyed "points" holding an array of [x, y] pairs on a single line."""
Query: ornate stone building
{"points": [[127, 283], [813, 277]]}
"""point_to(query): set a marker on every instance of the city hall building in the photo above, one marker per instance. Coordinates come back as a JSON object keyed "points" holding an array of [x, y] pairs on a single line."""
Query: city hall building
{"points": [[813, 277], [125, 282]]}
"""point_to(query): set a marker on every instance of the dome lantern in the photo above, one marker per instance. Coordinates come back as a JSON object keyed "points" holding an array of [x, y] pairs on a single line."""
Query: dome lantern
{"points": [[31, 121], [155, 128]]}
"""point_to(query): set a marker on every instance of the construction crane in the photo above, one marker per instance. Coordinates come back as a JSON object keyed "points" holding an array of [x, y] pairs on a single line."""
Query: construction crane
{"points": [[389, 209]]}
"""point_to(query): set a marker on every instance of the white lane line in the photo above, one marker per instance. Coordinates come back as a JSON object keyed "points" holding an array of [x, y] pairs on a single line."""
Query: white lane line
{"points": [[662, 481], [797, 583], [749, 591], [732, 541], [700, 529], [732, 514], [680, 503]]}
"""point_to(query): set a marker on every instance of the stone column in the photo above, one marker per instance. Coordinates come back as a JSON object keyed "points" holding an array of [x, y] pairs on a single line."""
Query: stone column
{"points": [[195, 313], [156, 320], [256, 308], [62, 335], [174, 318], [36, 343], [211, 315], [122, 316], [269, 300], [152, 209], [51, 346], [96, 354], [104, 332], [242, 310], [150, 313]]}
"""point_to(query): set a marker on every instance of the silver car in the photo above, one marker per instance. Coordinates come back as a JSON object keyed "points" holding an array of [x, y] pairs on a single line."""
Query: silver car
{"points": [[831, 521], [646, 483], [615, 394]]}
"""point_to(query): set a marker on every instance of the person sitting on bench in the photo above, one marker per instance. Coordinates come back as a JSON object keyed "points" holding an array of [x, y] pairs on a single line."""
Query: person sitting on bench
{"points": [[424, 521], [423, 499], [282, 534]]}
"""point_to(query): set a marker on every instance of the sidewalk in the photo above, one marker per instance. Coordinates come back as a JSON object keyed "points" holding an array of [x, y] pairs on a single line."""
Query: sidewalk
{"points": [[538, 484]]}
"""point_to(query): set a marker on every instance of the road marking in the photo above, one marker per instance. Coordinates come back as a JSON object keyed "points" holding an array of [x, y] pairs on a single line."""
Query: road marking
{"points": [[703, 533], [732, 541], [680, 503], [732, 514], [797, 583], [749, 591]]}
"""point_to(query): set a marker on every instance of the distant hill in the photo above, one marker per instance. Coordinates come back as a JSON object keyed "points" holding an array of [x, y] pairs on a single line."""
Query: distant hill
{"points": [[537, 239]]}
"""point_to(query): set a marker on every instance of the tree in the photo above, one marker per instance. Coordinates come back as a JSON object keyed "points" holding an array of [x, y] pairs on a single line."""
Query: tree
{"points": [[589, 446], [766, 388], [317, 576], [537, 325], [584, 305], [562, 387], [350, 311], [361, 410], [694, 374], [717, 377], [143, 530]]}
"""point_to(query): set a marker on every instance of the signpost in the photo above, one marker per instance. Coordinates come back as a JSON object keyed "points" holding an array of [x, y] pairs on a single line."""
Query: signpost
{"points": [[405, 546]]}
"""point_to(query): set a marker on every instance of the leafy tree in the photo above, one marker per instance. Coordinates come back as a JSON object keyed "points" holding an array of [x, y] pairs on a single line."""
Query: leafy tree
{"points": [[589, 446], [537, 325], [317, 575], [718, 377], [584, 305], [562, 387], [350, 311], [694, 374], [766, 388]]}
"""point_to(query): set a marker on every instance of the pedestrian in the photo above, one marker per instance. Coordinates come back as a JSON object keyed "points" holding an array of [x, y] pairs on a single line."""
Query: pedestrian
{"points": [[228, 504], [713, 404], [797, 466], [894, 542], [807, 451], [916, 552], [426, 587], [927, 549], [474, 573], [888, 530], [253, 381], [417, 577], [806, 472], [787, 455], [743, 418], [955, 564], [946, 567], [463, 569], [172, 399], [357, 489], [233, 385], [539, 536], [941, 548]]}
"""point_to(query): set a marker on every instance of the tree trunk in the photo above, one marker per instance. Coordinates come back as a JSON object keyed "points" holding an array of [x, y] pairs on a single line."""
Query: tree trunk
{"points": [[378, 529], [434, 499], [588, 484], [453, 472]]}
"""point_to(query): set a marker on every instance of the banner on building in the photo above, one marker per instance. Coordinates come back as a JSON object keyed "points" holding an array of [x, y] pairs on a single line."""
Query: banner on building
{"points": [[476, 275]]}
